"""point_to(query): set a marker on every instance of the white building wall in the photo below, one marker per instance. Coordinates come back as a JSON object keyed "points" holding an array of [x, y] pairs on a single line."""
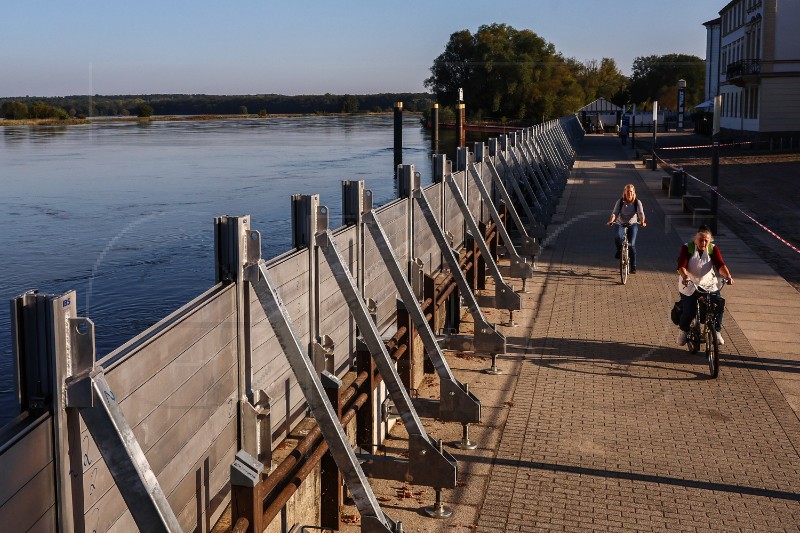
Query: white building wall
{"points": [[780, 104]]}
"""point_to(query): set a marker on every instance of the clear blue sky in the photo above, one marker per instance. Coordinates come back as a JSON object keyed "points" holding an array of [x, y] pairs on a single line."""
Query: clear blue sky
{"points": [[58, 48]]}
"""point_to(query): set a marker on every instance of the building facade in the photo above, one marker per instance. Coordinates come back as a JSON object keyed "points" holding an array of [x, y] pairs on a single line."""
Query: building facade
{"points": [[756, 47]]}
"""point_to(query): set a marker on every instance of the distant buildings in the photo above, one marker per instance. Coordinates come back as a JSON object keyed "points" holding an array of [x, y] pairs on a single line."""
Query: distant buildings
{"points": [[753, 61]]}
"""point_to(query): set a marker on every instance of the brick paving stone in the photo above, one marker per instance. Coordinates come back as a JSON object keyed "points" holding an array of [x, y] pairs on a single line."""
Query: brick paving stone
{"points": [[615, 428]]}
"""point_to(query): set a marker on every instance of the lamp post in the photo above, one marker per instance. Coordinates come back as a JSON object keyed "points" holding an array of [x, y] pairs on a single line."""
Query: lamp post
{"points": [[715, 164], [681, 103]]}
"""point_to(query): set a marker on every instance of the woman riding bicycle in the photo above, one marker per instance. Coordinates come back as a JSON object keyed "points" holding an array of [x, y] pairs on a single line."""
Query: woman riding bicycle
{"points": [[699, 261], [628, 210]]}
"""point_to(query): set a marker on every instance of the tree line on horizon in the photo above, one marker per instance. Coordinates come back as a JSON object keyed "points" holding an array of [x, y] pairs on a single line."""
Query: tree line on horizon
{"points": [[506, 75], [202, 104]]}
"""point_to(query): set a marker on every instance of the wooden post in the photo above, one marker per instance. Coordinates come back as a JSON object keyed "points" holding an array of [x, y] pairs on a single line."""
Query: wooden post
{"points": [[364, 422], [398, 135], [331, 493], [460, 124], [435, 128]]}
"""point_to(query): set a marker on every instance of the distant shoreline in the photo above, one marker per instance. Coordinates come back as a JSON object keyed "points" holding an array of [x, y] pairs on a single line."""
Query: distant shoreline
{"points": [[162, 118]]}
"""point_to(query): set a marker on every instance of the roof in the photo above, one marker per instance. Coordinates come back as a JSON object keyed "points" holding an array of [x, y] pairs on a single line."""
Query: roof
{"points": [[601, 105]]}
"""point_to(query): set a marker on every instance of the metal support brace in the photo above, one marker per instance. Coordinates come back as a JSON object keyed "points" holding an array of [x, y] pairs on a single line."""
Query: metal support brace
{"points": [[373, 519], [486, 336], [530, 248], [425, 465], [504, 295], [534, 226], [96, 402], [519, 267], [541, 186], [456, 404], [539, 171], [523, 177]]}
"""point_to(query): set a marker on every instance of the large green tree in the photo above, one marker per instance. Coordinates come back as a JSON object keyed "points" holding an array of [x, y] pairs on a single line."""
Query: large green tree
{"points": [[656, 78], [505, 73]]}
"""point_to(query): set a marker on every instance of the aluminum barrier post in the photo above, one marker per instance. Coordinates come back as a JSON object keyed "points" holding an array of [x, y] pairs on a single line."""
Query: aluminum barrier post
{"points": [[57, 372], [230, 247]]}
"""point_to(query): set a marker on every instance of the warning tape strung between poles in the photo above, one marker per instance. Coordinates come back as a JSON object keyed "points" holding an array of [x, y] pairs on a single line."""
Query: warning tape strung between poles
{"points": [[703, 146], [715, 191]]}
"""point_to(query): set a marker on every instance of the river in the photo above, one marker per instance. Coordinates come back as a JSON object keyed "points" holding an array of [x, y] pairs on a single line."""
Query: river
{"points": [[122, 212]]}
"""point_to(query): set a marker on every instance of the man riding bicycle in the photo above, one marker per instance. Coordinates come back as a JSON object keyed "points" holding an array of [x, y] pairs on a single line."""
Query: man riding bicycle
{"points": [[699, 261], [628, 210]]}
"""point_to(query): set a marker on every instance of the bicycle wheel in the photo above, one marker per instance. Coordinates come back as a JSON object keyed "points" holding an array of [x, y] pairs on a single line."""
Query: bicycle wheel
{"points": [[712, 352], [623, 263]]}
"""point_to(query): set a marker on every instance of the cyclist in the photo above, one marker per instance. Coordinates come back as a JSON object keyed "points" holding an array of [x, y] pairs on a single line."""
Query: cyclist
{"points": [[699, 260], [628, 210]]}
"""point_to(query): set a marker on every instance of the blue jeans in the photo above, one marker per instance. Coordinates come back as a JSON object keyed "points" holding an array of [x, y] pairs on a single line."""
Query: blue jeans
{"points": [[689, 311], [633, 231]]}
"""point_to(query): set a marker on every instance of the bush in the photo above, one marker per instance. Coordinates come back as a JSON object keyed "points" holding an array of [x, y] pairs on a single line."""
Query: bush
{"points": [[144, 111]]}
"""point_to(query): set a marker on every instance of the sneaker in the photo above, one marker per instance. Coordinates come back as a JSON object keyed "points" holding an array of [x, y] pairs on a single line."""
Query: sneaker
{"points": [[720, 340], [682, 338], [616, 255], [633, 270]]}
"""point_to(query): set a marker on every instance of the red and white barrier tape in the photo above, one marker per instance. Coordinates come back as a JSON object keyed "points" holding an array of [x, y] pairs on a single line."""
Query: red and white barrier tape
{"points": [[703, 146], [756, 222]]}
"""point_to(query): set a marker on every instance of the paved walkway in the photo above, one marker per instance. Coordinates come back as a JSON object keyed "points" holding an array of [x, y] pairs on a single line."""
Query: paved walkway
{"points": [[601, 422]]}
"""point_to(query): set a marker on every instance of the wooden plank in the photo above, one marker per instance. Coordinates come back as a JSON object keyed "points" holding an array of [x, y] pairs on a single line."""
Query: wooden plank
{"points": [[22, 462]]}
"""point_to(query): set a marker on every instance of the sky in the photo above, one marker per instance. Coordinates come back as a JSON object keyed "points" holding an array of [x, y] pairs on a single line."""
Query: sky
{"points": [[58, 48]]}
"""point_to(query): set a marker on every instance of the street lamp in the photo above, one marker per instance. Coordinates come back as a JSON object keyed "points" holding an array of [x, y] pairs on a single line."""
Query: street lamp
{"points": [[681, 102]]}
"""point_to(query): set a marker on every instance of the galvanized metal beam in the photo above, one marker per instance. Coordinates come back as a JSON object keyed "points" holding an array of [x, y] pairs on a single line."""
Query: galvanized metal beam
{"points": [[528, 243], [121, 452], [373, 518], [504, 295], [519, 267], [456, 404], [426, 465], [486, 336]]}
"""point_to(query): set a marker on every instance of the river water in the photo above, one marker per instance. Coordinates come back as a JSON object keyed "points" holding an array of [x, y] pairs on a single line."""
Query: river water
{"points": [[122, 212]]}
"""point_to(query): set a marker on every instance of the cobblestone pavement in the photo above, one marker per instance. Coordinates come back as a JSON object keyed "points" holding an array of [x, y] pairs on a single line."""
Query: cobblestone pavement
{"points": [[601, 422]]}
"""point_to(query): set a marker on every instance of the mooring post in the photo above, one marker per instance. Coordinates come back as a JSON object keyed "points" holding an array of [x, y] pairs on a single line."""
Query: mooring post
{"points": [[460, 115], [398, 134], [435, 128]]}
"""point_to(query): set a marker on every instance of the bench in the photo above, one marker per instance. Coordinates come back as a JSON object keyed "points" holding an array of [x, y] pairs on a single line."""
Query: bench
{"points": [[698, 208]]}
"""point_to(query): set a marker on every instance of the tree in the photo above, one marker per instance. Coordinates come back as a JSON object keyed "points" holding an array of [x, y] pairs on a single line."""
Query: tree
{"points": [[505, 72], [243, 110], [144, 111], [348, 104], [15, 110], [656, 78], [601, 80]]}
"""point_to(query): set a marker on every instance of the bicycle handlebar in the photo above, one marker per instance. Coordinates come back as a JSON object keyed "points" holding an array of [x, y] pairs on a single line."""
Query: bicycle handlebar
{"points": [[701, 290]]}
